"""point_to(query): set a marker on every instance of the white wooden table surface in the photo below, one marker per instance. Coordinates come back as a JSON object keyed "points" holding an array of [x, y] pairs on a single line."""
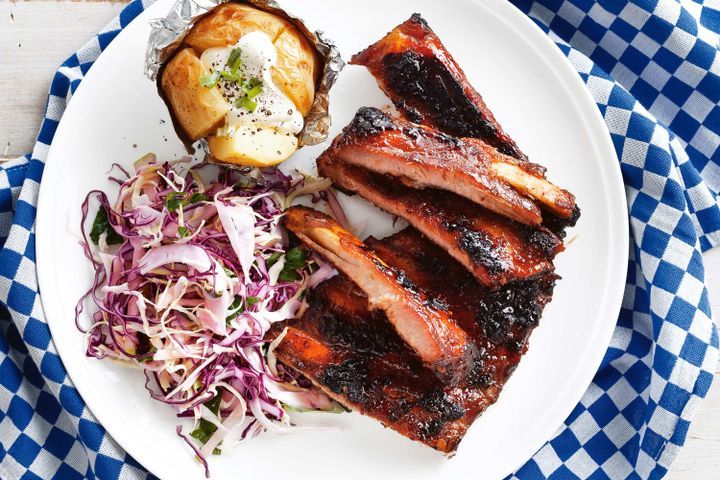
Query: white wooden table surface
{"points": [[36, 36]]}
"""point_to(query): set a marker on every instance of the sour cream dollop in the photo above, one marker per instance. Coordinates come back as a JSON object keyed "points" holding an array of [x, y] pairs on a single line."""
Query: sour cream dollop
{"points": [[274, 109]]}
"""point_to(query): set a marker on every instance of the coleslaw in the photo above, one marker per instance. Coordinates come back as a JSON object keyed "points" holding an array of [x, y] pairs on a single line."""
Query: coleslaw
{"points": [[192, 281]]}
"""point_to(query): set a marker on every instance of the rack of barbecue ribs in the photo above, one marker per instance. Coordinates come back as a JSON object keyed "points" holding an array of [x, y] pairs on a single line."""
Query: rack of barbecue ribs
{"points": [[425, 325], [354, 354], [423, 157], [495, 249], [421, 330], [428, 87]]}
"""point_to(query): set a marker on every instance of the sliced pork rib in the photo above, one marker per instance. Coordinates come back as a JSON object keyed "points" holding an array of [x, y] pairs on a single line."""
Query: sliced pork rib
{"points": [[480, 312], [424, 157], [422, 322], [413, 67], [353, 353], [495, 249]]}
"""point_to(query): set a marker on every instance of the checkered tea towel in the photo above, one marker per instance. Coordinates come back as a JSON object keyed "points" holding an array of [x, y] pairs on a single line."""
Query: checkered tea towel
{"points": [[654, 71]]}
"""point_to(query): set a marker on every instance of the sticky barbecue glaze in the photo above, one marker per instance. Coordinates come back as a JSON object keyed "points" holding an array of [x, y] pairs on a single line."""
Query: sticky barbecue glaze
{"points": [[495, 249], [355, 355], [425, 325], [423, 157], [413, 67], [425, 83]]}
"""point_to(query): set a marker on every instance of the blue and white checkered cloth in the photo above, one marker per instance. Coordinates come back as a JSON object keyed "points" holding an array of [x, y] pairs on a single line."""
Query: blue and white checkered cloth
{"points": [[653, 68]]}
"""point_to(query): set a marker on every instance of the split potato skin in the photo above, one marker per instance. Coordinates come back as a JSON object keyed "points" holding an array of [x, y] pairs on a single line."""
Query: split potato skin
{"points": [[199, 110], [225, 24], [297, 68]]}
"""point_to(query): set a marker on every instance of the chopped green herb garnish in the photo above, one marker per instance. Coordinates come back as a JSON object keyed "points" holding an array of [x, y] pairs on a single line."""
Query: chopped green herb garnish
{"points": [[209, 80], [272, 259], [101, 224], [205, 429], [214, 404], [174, 200], [229, 76], [295, 259], [198, 197], [235, 308], [182, 231], [245, 102], [254, 92], [234, 59]]}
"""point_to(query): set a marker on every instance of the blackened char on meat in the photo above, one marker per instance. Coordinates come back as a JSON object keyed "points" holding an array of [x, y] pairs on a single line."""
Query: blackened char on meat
{"points": [[426, 326], [422, 157], [495, 249], [355, 355], [425, 83], [413, 67]]}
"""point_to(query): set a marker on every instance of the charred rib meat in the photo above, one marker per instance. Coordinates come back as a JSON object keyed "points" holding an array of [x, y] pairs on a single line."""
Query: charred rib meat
{"points": [[423, 157], [423, 323], [495, 249], [354, 355], [459, 292], [414, 69]]}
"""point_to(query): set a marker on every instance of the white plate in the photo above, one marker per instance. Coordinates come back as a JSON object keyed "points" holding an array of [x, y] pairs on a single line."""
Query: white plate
{"points": [[116, 115]]}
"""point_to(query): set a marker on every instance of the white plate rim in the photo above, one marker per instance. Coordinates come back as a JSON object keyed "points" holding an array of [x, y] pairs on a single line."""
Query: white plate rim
{"points": [[598, 134]]}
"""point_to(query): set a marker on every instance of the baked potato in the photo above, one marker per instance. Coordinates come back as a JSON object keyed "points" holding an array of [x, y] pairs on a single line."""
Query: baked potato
{"points": [[244, 79]]}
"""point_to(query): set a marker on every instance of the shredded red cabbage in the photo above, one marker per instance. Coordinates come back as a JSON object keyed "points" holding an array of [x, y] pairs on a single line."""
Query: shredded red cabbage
{"points": [[189, 279]]}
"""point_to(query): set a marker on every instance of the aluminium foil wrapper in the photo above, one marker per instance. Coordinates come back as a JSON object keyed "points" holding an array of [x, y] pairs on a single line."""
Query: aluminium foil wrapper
{"points": [[168, 33]]}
